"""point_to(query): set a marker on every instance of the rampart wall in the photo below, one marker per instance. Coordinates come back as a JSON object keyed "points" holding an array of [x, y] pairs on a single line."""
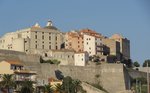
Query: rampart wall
{"points": [[113, 77]]}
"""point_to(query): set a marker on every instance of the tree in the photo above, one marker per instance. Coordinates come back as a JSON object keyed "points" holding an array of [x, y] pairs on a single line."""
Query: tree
{"points": [[27, 87], [48, 89], [127, 62], [145, 63], [7, 82], [77, 85], [70, 85], [136, 64], [59, 88], [67, 84]]}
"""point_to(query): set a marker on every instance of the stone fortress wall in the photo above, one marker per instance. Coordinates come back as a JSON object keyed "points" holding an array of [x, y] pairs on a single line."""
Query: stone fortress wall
{"points": [[113, 77]]}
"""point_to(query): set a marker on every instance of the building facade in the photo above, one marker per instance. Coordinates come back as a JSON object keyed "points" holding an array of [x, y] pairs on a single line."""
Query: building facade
{"points": [[34, 39], [84, 40], [47, 40], [124, 45], [66, 57], [74, 40], [111, 47], [16, 68], [81, 58]]}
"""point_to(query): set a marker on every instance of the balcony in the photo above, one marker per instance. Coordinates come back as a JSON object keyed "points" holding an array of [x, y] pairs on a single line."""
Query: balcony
{"points": [[24, 72], [25, 77], [22, 75]]}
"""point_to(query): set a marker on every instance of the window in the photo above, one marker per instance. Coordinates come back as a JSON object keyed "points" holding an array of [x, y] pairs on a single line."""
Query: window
{"points": [[56, 47], [46, 55], [36, 46], [42, 46], [42, 32], [42, 37], [15, 68], [49, 37], [12, 67], [78, 41], [35, 36], [35, 41], [56, 38], [49, 42], [49, 46], [87, 43], [89, 38], [43, 42]]}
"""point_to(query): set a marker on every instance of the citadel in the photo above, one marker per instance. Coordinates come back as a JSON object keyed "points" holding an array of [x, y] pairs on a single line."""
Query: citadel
{"points": [[74, 46], [78, 53]]}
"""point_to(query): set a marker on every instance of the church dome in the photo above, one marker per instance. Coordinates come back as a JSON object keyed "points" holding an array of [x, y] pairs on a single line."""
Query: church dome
{"points": [[50, 25]]}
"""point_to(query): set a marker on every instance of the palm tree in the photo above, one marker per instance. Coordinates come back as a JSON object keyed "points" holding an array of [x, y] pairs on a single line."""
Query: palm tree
{"points": [[59, 89], [48, 89], [77, 85], [72, 86], [27, 87], [7, 82]]}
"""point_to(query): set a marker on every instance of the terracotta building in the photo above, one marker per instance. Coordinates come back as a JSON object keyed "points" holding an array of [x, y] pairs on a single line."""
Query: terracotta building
{"points": [[84, 40], [74, 40]]}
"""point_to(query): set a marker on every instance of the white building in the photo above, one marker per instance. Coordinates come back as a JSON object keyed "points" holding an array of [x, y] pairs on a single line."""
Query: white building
{"points": [[93, 45], [81, 58], [34, 39]]}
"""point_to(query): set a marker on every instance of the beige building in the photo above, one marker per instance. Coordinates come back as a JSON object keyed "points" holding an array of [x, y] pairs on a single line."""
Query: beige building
{"points": [[81, 58], [111, 47], [124, 45], [34, 39], [17, 69], [66, 57]]}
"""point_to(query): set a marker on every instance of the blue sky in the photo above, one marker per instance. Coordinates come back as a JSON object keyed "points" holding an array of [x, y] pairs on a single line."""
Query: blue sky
{"points": [[131, 18]]}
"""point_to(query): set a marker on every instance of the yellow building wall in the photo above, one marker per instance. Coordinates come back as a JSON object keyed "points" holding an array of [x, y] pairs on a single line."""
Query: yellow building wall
{"points": [[5, 68]]}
